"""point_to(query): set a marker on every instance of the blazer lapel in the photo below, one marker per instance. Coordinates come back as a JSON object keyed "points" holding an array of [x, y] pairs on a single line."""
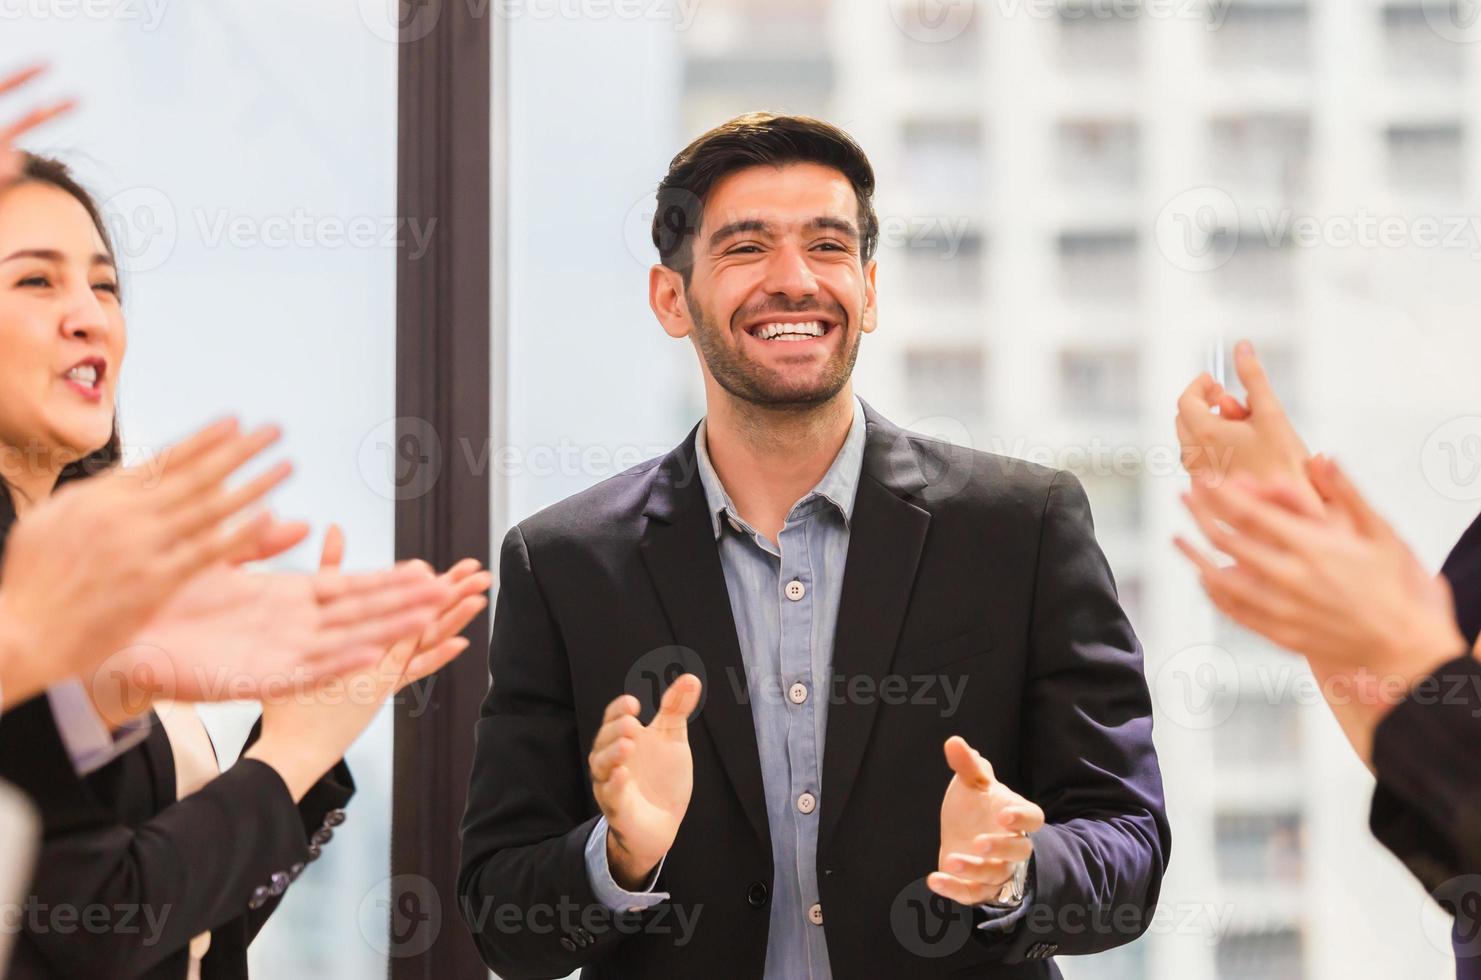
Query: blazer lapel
{"points": [[886, 534], [679, 549]]}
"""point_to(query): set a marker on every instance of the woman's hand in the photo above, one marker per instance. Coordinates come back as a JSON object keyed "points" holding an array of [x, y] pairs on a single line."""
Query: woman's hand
{"points": [[1336, 584], [84, 570], [1254, 440], [10, 156], [305, 732]]}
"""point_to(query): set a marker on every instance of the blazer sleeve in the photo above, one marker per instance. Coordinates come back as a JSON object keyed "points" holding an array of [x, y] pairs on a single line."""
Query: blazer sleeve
{"points": [[1089, 760], [321, 810], [529, 809], [193, 866], [1427, 805]]}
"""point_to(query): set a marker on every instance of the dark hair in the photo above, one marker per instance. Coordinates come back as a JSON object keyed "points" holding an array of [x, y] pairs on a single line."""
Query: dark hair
{"points": [[755, 139], [45, 170]]}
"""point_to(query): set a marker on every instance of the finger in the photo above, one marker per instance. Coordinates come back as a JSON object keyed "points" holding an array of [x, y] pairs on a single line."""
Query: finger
{"points": [[1193, 403], [1202, 562], [1021, 818], [212, 509], [424, 597], [429, 662], [979, 870], [1332, 482], [964, 760], [624, 704], [452, 622], [331, 587], [1231, 408], [332, 556], [33, 119], [279, 538], [959, 889], [185, 483], [1285, 494], [1233, 503], [463, 570], [623, 726], [1266, 559], [14, 81], [362, 642], [1250, 602], [1004, 847], [201, 442], [610, 757], [678, 703], [1258, 393]]}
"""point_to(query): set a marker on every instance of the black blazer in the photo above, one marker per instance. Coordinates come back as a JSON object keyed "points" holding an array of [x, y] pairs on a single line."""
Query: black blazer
{"points": [[151, 871], [1427, 754], [961, 565]]}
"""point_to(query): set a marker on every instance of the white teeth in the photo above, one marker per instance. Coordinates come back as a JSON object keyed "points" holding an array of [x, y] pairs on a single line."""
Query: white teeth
{"points": [[790, 331], [84, 374]]}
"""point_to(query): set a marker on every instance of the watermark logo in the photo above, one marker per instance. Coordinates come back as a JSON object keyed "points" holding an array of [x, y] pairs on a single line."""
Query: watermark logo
{"points": [[1451, 459], [142, 224], [927, 924], [1197, 230], [932, 21], [1454, 20], [401, 459], [653, 673], [401, 916], [1197, 687]]}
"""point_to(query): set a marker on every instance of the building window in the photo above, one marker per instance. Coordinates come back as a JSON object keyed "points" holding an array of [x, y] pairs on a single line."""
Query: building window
{"points": [[1096, 37], [1104, 154], [943, 261], [1099, 383], [1273, 954], [1099, 265], [1427, 159], [943, 156], [1263, 36], [947, 381], [1414, 49], [939, 38], [1262, 151]]}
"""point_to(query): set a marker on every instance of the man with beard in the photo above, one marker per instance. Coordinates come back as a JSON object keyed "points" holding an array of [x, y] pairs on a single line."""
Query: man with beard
{"points": [[707, 752]]}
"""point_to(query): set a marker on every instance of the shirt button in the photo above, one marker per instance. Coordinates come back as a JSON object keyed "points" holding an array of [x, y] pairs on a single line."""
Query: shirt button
{"points": [[815, 914], [796, 590], [807, 803], [797, 692]]}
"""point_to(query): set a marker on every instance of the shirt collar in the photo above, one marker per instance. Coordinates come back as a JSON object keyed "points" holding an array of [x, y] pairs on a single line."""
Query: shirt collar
{"points": [[839, 486]]}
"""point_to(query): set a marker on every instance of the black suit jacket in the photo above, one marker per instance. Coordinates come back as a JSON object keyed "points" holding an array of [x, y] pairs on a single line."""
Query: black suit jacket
{"points": [[1427, 755], [961, 566], [150, 871]]}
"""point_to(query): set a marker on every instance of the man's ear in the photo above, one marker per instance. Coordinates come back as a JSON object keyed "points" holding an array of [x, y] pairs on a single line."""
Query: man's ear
{"points": [[870, 316], [666, 296]]}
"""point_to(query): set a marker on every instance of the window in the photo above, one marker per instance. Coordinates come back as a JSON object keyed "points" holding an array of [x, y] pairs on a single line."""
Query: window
{"points": [[1258, 848], [1262, 151], [1098, 38], [1103, 154], [947, 381], [1098, 265], [1273, 954], [943, 261], [1099, 382], [1260, 36], [1412, 47], [1427, 159], [942, 156]]}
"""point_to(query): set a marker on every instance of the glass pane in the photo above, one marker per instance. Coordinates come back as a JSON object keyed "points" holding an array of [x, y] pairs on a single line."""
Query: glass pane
{"points": [[247, 154]]}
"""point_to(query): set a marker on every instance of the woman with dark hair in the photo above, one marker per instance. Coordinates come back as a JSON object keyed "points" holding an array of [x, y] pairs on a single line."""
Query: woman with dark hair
{"points": [[169, 865]]}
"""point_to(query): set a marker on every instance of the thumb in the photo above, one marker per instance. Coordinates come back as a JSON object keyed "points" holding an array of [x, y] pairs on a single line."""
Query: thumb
{"points": [[678, 703], [334, 549], [965, 761], [1258, 393]]}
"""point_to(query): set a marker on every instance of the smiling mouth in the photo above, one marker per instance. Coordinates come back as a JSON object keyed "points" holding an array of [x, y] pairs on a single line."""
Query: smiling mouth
{"points": [[790, 332], [88, 374]]}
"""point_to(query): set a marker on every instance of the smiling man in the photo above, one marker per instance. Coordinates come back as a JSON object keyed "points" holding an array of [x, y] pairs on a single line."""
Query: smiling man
{"points": [[811, 695]]}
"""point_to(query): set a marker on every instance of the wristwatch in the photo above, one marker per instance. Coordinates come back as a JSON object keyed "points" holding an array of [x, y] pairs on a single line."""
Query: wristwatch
{"points": [[1010, 896]]}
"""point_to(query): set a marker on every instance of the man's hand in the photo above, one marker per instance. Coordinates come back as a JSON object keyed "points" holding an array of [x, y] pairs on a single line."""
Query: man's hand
{"points": [[984, 828], [1338, 585], [1255, 440], [642, 776], [10, 157]]}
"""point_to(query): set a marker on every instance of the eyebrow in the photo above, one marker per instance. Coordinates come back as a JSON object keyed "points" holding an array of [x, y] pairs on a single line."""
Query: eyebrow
{"points": [[819, 223], [51, 255]]}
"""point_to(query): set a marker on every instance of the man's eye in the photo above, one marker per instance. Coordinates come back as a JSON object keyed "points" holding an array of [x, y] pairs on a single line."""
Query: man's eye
{"points": [[107, 287], [34, 281]]}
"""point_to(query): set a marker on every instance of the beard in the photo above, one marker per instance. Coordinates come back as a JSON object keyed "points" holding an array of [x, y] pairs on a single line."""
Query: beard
{"points": [[758, 384]]}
